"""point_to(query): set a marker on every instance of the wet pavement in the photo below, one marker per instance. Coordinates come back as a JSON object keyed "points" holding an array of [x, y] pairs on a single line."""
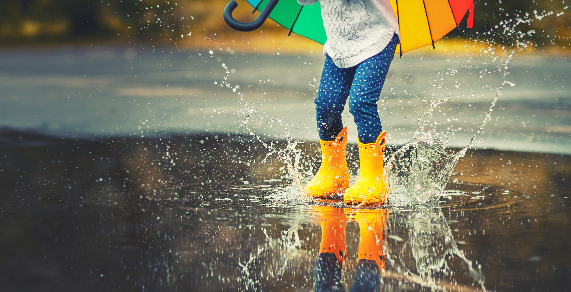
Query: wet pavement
{"points": [[220, 212], [146, 91], [152, 169]]}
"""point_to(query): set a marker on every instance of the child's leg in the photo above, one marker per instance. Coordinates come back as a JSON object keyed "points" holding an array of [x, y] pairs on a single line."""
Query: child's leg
{"points": [[331, 97], [366, 90], [369, 188], [333, 176]]}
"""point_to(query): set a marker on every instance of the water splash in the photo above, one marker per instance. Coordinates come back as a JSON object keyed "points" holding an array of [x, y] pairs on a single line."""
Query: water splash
{"points": [[279, 257], [423, 251], [290, 155], [419, 171]]}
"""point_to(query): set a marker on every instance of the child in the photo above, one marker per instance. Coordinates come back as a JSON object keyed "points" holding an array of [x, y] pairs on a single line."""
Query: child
{"points": [[361, 40]]}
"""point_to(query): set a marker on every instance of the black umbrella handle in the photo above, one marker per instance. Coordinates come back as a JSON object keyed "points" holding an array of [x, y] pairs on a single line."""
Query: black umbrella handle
{"points": [[241, 26]]}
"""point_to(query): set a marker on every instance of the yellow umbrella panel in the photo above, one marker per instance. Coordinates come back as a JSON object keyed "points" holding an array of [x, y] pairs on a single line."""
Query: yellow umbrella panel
{"points": [[423, 22]]}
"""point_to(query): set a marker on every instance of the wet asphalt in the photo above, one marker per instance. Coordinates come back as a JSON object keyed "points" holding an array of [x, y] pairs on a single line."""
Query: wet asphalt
{"points": [[212, 212], [153, 169], [146, 91]]}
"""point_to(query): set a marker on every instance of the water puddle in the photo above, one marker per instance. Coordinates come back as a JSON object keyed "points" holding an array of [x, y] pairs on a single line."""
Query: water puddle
{"points": [[221, 212]]}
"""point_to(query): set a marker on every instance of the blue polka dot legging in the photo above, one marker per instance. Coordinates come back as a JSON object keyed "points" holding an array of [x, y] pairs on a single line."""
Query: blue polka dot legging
{"points": [[362, 85]]}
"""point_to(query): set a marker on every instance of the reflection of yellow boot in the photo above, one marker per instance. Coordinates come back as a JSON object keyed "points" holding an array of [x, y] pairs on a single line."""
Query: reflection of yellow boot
{"points": [[333, 174], [371, 235], [332, 250], [370, 187], [333, 225]]}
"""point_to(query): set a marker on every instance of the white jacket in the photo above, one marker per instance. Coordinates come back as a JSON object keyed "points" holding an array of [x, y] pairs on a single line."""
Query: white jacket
{"points": [[356, 29]]}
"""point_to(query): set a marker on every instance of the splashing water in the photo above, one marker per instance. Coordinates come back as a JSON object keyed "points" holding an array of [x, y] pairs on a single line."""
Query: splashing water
{"points": [[419, 171], [291, 155], [279, 257], [423, 251]]}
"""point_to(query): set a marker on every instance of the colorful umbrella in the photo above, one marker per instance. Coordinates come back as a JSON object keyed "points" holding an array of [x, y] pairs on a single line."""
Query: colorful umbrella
{"points": [[421, 22]]}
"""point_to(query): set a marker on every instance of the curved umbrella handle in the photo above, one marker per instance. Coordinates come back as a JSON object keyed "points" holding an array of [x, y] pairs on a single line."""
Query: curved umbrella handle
{"points": [[241, 26]]}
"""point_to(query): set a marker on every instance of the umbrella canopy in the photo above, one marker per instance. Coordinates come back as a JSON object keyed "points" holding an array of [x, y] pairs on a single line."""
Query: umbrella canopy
{"points": [[421, 22]]}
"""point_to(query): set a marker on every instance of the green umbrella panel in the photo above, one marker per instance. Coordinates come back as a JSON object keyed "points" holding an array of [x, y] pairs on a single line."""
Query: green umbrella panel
{"points": [[304, 20]]}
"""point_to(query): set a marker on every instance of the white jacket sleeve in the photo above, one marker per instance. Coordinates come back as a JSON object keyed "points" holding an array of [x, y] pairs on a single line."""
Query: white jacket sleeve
{"points": [[307, 2]]}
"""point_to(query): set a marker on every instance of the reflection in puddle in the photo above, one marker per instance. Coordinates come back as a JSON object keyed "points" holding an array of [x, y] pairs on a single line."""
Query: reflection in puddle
{"points": [[424, 249], [219, 212]]}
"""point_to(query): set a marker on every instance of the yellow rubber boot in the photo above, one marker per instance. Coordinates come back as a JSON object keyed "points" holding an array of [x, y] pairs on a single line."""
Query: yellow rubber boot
{"points": [[370, 187], [333, 174], [372, 235]]}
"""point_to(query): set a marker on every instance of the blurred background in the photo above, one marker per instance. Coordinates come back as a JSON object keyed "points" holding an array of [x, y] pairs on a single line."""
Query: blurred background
{"points": [[196, 23]]}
